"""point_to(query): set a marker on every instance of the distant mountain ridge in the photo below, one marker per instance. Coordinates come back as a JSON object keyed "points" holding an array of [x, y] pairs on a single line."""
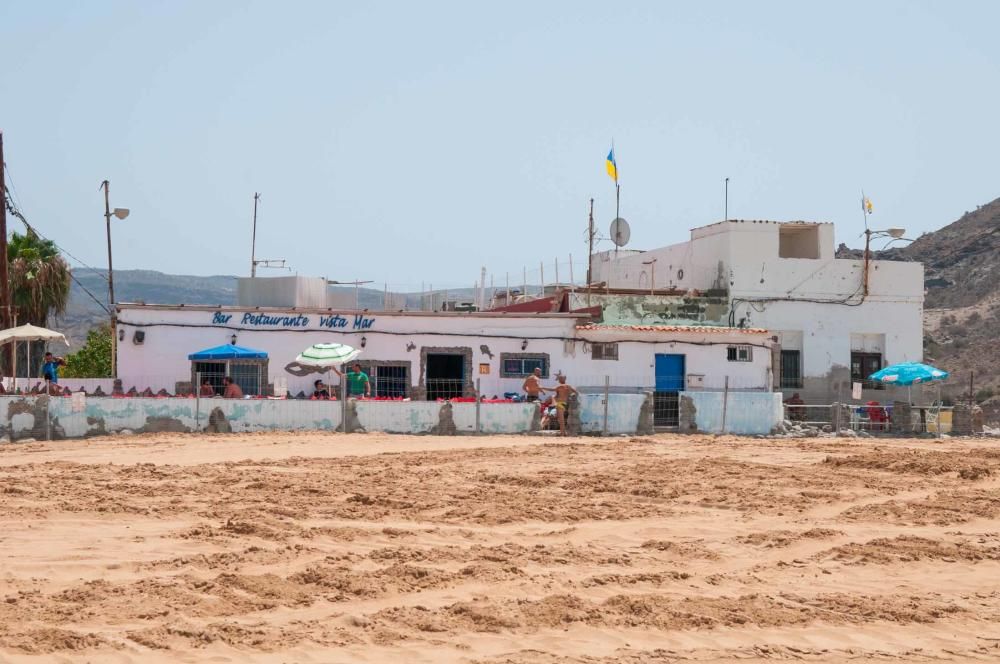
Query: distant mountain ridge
{"points": [[152, 287]]}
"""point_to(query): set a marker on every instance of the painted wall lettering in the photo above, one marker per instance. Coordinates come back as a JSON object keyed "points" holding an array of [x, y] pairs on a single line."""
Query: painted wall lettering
{"points": [[332, 322], [298, 321], [264, 320]]}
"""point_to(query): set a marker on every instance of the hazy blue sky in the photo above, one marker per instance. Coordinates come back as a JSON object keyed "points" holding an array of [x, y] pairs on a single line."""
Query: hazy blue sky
{"points": [[440, 137]]}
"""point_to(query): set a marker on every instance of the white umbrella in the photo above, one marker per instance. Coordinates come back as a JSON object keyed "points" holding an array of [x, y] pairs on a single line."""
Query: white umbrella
{"points": [[324, 357], [31, 333], [28, 333]]}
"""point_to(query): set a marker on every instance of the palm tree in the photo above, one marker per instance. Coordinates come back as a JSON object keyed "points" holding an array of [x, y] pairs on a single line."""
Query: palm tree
{"points": [[39, 284], [39, 278]]}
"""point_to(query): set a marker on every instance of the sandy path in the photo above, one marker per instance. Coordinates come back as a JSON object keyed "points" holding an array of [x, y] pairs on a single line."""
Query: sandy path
{"points": [[370, 548]]}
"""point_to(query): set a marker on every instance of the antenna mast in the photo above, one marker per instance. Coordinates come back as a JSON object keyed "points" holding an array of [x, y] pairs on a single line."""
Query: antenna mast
{"points": [[254, 261], [253, 239]]}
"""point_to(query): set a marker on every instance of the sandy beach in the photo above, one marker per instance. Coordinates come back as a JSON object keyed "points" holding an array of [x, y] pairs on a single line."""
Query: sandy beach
{"points": [[371, 548]]}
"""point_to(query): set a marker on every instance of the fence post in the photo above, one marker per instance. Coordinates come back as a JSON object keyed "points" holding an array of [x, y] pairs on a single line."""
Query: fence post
{"points": [[48, 402], [725, 403], [197, 401], [607, 389], [343, 401], [479, 402]]}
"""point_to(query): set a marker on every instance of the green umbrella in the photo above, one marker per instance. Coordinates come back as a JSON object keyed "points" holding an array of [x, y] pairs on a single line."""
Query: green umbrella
{"points": [[325, 356]]}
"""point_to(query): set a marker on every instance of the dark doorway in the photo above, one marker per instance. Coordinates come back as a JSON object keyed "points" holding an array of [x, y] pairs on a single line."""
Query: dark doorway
{"points": [[445, 375]]}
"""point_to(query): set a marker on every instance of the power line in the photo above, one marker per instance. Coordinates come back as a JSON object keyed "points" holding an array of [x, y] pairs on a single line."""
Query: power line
{"points": [[17, 213], [13, 209]]}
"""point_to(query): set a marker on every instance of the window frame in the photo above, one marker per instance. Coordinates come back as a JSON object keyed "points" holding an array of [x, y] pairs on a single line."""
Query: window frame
{"points": [[795, 382], [733, 353], [506, 357], [862, 377], [604, 354]]}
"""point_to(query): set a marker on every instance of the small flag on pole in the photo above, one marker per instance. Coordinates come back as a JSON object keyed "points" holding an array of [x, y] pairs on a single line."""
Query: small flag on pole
{"points": [[612, 166]]}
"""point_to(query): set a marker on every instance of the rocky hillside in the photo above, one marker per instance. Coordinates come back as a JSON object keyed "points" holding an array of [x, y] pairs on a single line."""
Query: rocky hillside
{"points": [[962, 314], [150, 287]]}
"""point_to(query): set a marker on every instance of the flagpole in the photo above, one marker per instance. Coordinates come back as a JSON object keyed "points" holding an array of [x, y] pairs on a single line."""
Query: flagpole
{"points": [[618, 191]]}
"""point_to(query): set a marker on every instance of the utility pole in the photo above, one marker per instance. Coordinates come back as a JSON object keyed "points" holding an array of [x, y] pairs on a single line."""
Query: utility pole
{"points": [[111, 285], [4, 279], [253, 238], [590, 242]]}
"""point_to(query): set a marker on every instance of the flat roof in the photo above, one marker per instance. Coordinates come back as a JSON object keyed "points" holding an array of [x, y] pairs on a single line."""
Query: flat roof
{"points": [[139, 306]]}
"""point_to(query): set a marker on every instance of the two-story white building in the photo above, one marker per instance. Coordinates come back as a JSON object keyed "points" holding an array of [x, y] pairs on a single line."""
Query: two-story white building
{"points": [[834, 326]]}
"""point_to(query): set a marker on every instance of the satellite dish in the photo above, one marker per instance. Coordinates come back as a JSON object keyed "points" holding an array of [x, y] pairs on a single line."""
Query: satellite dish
{"points": [[620, 232]]}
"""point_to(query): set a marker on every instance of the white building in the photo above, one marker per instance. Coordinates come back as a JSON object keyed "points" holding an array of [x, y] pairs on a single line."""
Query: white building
{"points": [[783, 276], [424, 355]]}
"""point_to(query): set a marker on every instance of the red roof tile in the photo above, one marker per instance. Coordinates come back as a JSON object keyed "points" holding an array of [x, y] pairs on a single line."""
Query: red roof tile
{"points": [[675, 328]]}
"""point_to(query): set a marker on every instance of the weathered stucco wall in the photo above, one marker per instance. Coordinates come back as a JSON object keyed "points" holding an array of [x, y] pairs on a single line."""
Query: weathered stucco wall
{"points": [[25, 417], [751, 413], [624, 412], [747, 412]]}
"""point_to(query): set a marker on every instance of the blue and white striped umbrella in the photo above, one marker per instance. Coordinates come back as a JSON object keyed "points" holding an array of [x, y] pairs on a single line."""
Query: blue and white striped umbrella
{"points": [[324, 356], [908, 373]]}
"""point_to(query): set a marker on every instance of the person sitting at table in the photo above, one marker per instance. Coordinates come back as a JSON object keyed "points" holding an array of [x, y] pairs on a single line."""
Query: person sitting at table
{"points": [[320, 391], [232, 390], [876, 415], [796, 413], [207, 390], [549, 412]]}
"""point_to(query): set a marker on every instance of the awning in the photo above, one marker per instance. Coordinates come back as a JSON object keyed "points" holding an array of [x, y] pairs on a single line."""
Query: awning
{"points": [[228, 352]]}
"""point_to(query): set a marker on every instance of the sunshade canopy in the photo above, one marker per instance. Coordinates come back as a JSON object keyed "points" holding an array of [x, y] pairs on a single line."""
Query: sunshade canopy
{"points": [[908, 373], [228, 352], [31, 333], [327, 355]]}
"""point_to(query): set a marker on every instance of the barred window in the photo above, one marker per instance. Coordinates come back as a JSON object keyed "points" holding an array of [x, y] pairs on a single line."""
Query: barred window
{"points": [[599, 351], [739, 353], [520, 365]]}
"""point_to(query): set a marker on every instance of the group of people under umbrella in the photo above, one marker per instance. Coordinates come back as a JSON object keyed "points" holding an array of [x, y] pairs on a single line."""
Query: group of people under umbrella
{"points": [[904, 374], [318, 358]]}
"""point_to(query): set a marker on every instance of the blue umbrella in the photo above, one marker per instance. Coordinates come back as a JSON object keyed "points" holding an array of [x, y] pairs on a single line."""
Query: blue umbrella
{"points": [[908, 373]]}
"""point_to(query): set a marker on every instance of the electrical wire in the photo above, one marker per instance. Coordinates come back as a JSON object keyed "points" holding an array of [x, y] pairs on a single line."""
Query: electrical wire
{"points": [[237, 328], [17, 213]]}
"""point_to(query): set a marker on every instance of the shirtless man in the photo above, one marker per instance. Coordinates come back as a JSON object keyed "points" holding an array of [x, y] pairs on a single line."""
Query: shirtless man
{"points": [[562, 400], [532, 387]]}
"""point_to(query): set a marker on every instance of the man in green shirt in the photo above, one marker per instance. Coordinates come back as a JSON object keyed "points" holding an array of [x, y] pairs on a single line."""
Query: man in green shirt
{"points": [[357, 382]]}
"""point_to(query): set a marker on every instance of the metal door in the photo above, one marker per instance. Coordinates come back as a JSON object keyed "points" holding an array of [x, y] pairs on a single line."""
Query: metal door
{"points": [[669, 375]]}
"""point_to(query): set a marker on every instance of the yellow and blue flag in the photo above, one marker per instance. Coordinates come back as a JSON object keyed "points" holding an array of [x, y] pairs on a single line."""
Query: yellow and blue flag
{"points": [[612, 166]]}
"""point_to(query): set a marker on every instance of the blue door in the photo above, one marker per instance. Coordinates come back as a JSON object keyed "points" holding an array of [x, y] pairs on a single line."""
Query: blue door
{"points": [[669, 373]]}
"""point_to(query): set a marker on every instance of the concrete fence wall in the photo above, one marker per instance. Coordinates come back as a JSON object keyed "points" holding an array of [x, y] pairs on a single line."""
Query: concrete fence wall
{"points": [[25, 417], [751, 413]]}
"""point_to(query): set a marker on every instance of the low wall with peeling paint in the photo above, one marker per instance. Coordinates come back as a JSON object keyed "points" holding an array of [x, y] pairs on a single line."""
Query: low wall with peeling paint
{"points": [[625, 413], [750, 413], [25, 417]]}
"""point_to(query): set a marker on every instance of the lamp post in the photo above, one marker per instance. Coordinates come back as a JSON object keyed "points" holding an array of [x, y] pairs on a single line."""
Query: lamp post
{"points": [[120, 213], [894, 233]]}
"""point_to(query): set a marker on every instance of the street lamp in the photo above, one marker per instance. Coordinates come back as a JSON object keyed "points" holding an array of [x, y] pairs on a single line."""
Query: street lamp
{"points": [[118, 213], [895, 233]]}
